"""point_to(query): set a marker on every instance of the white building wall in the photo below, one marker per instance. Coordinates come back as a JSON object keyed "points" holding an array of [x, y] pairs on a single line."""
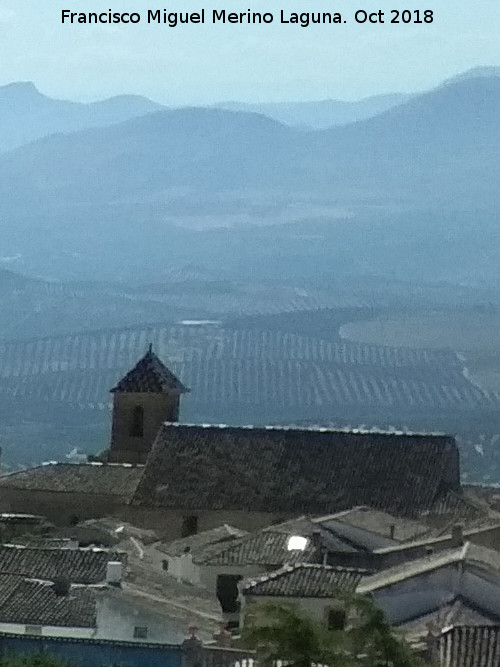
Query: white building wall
{"points": [[183, 569], [118, 614], [50, 630]]}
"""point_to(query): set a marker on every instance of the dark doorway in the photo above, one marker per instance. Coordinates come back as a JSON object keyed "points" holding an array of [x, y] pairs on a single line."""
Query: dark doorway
{"points": [[227, 592]]}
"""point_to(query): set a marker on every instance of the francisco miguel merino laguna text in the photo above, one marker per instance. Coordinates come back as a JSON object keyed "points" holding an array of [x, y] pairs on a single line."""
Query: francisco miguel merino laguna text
{"points": [[173, 19], [302, 19]]}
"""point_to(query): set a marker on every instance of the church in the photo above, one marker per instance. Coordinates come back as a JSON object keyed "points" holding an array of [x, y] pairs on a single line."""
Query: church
{"points": [[185, 478]]}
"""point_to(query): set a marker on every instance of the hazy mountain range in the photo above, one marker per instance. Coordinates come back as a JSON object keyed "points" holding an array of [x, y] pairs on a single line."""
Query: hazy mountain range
{"points": [[437, 148], [26, 114], [97, 201]]}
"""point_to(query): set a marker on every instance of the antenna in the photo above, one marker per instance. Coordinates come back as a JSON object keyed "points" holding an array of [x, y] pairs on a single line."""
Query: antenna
{"points": [[150, 348]]}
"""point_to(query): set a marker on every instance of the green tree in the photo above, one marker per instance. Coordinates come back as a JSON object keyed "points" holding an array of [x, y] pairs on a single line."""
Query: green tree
{"points": [[372, 637], [283, 632]]}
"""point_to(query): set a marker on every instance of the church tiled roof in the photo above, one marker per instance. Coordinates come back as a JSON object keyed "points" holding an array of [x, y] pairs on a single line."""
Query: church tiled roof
{"points": [[109, 479], [305, 580], [150, 375], [295, 471]]}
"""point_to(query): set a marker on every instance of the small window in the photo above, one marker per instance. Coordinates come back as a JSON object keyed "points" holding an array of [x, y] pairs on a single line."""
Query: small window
{"points": [[189, 526], [164, 564], [137, 423], [336, 619], [140, 632], [33, 630]]}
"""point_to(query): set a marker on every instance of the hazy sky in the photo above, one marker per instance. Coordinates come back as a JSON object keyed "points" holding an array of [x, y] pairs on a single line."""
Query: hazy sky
{"points": [[208, 63]]}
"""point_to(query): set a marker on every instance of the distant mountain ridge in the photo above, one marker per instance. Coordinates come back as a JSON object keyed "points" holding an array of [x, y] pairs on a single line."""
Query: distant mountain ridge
{"points": [[475, 73], [109, 197], [26, 114], [446, 141], [323, 113]]}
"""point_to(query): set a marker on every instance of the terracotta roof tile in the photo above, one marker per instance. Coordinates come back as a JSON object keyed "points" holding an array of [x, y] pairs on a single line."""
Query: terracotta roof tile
{"points": [[305, 580], [265, 547], [295, 471], [83, 566], [216, 538], [470, 646], [110, 479], [36, 603]]}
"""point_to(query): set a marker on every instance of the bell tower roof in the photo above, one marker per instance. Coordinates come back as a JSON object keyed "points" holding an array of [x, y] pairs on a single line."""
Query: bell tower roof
{"points": [[150, 375]]}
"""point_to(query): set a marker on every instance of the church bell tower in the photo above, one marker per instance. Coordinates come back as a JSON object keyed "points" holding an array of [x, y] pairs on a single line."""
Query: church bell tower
{"points": [[143, 399]]}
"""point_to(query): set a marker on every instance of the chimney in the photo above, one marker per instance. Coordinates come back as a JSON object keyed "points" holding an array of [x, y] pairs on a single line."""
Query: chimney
{"points": [[318, 546], [431, 644], [114, 573], [457, 535], [61, 586], [316, 539], [223, 637], [392, 530], [71, 543]]}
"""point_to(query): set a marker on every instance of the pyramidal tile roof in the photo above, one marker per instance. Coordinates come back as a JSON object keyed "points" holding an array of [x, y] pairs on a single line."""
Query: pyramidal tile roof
{"points": [[150, 375]]}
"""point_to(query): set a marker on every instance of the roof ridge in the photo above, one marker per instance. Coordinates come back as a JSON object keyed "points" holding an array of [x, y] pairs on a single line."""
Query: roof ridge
{"points": [[16, 472], [314, 566], [274, 574], [309, 429], [95, 464], [93, 550]]}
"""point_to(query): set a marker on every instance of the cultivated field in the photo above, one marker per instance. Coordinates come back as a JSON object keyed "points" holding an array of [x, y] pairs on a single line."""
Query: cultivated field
{"points": [[228, 369]]}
